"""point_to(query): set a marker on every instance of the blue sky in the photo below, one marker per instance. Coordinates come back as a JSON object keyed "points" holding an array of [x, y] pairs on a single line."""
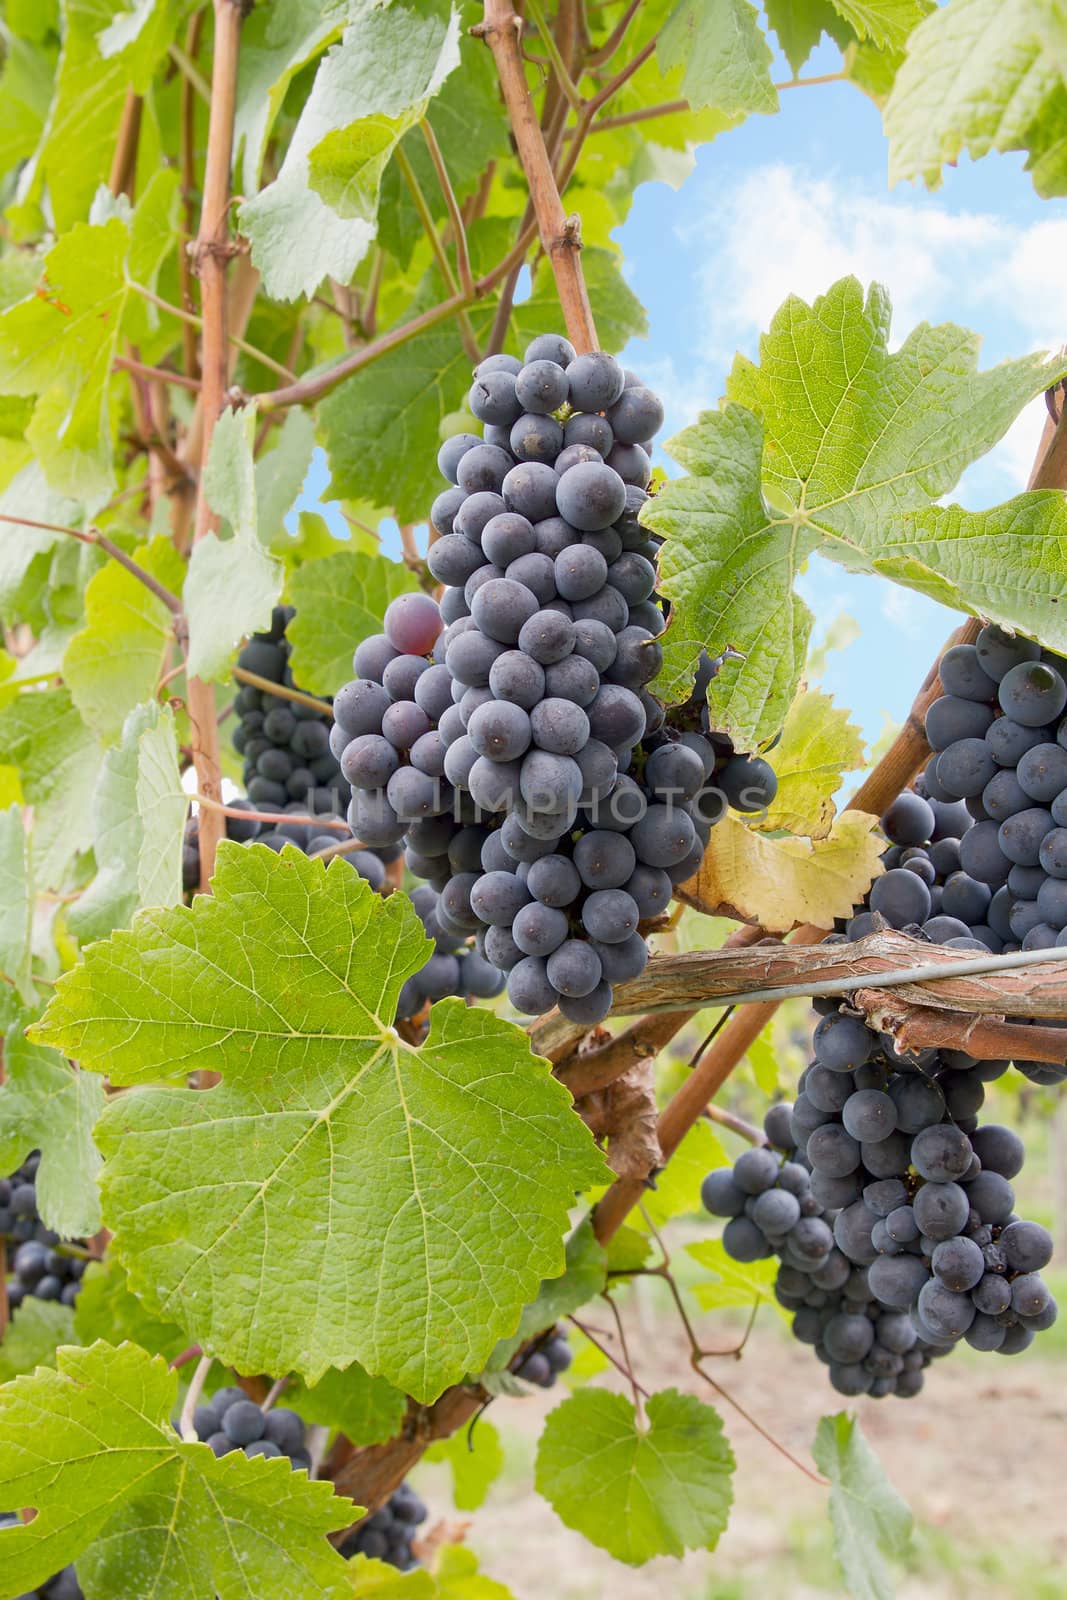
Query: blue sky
{"points": [[788, 204]]}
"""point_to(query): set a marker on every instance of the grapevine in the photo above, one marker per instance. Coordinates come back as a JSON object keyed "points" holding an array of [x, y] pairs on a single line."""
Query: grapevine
{"points": [[427, 892]]}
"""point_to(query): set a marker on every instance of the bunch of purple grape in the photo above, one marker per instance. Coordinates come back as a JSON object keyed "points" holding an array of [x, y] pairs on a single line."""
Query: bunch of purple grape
{"points": [[39, 1266], [550, 1356], [510, 738], [389, 1533], [288, 760], [231, 1421], [889, 1206]]}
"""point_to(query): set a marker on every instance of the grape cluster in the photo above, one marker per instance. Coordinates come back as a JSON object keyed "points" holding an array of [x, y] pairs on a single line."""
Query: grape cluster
{"points": [[550, 1356], [231, 1421], [454, 968], [510, 739], [288, 760], [38, 1266], [893, 1212], [999, 736], [63, 1586], [389, 1533]]}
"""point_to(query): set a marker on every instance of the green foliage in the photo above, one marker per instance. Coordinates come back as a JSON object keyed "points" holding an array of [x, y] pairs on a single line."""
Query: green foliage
{"points": [[367, 1410], [733, 1283], [59, 342], [138, 814], [475, 1459], [106, 1309], [58, 760], [724, 56], [46, 1104], [142, 1512], [232, 585], [871, 1523], [318, 216], [33, 1335], [638, 1489], [584, 1277], [982, 75], [16, 903], [771, 481], [105, 683], [277, 993], [339, 602]]}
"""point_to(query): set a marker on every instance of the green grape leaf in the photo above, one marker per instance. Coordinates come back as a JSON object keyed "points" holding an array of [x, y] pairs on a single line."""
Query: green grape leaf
{"points": [[723, 53], [800, 24], [620, 316], [48, 1105], [138, 39], [871, 1522], [476, 1459], [389, 63], [83, 122], [628, 1250], [232, 585], [346, 167], [29, 495], [16, 904], [818, 746], [117, 659], [59, 342], [139, 812], [339, 602], [280, 473], [637, 1491], [455, 1577], [58, 759], [366, 1410], [90, 1445], [106, 1308], [980, 75], [276, 42], [289, 972], [584, 1277], [823, 446], [458, 1578], [380, 427], [732, 1283], [762, 1057], [25, 95], [886, 23], [958, 557], [32, 1336], [677, 1190], [468, 119]]}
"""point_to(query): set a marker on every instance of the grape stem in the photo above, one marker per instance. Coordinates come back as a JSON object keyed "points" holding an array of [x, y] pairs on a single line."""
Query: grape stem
{"points": [[277, 818], [283, 691], [455, 215], [192, 1399], [94, 536]]}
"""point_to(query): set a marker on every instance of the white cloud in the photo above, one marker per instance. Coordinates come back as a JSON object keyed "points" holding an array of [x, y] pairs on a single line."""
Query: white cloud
{"points": [[781, 230]]}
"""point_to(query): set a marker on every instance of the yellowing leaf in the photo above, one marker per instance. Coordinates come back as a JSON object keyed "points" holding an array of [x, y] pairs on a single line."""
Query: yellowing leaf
{"points": [[819, 745], [780, 883]]}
